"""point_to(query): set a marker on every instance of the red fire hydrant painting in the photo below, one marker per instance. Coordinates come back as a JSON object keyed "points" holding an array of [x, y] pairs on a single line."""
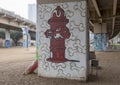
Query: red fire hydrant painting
{"points": [[57, 33]]}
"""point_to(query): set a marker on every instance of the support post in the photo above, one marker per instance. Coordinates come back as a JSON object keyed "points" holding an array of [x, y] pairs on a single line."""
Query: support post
{"points": [[63, 39], [7, 38], [25, 37], [100, 36]]}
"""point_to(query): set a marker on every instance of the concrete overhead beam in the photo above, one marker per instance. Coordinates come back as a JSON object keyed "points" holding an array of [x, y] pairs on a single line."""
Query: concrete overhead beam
{"points": [[96, 8], [14, 24], [4, 15], [91, 23], [14, 20], [10, 20], [114, 13], [114, 6]]}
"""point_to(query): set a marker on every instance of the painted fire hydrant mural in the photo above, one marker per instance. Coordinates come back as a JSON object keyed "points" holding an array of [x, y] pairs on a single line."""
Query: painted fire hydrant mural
{"points": [[57, 33]]}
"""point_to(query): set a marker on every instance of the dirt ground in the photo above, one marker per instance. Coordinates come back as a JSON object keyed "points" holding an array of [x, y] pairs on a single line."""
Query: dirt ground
{"points": [[13, 62]]}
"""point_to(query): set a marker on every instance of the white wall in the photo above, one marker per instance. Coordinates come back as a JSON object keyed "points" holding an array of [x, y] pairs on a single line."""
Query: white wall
{"points": [[76, 45]]}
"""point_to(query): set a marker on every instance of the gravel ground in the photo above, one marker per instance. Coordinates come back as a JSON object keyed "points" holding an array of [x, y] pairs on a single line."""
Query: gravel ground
{"points": [[13, 62]]}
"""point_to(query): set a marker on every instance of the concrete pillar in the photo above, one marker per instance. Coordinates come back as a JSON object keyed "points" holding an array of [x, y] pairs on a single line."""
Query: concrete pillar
{"points": [[62, 38], [100, 36], [7, 38], [25, 37], [29, 39]]}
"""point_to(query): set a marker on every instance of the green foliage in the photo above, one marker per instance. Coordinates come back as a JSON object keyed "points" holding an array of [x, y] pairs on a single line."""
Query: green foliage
{"points": [[33, 36], [2, 34], [16, 36]]}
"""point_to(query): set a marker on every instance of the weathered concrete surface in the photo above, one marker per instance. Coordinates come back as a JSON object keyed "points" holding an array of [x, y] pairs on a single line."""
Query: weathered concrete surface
{"points": [[12, 21], [14, 61]]}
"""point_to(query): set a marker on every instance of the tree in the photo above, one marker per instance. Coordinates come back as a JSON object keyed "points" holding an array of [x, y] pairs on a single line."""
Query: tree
{"points": [[15, 35], [33, 36], [2, 34]]}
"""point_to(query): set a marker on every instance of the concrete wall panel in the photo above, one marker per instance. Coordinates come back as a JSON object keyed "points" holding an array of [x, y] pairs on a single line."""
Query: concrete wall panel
{"points": [[100, 41], [74, 66]]}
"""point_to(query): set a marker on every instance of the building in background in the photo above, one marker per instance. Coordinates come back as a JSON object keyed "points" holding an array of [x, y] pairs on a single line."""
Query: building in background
{"points": [[32, 12]]}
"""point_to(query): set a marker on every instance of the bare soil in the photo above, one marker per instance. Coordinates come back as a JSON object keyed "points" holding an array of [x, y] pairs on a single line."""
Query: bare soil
{"points": [[13, 62]]}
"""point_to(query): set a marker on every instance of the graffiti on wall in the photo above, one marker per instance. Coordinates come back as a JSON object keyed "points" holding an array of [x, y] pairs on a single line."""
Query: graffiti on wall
{"points": [[25, 36], [57, 33], [100, 41], [62, 37], [7, 43]]}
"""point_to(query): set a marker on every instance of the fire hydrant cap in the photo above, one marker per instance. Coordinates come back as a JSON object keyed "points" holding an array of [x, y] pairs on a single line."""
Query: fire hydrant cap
{"points": [[58, 16]]}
